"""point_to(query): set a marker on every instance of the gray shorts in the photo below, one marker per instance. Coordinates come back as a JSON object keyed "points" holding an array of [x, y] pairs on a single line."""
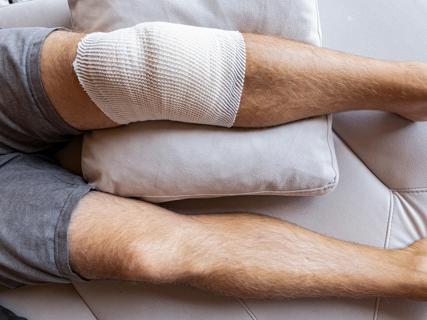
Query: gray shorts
{"points": [[37, 196]]}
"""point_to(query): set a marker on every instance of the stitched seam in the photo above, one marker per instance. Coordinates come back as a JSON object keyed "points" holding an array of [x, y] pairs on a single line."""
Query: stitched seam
{"points": [[400, 190], [411, 190], [63, 266], [247, 309], [377, 308], [319, 25], [389, 222], [388, 232], [34, 54], [56, 240], [361, 160], [279, 193], [330, 142], [386, 245]]}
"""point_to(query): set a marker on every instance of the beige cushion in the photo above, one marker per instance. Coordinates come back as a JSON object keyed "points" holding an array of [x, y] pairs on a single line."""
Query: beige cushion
{"points": [[294, 19], [166, 161]]}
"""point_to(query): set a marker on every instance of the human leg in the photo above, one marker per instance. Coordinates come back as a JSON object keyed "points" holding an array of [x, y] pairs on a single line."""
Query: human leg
{"points": [[55, 230], [285, 81], [117, 238], [241, 255]]}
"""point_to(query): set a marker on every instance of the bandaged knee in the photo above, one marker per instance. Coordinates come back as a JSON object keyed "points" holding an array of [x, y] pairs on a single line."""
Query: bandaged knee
{"points": [[164, 71]]}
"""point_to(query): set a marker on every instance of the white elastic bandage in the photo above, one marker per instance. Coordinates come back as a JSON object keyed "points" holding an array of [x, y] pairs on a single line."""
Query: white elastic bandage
{"points": [[164, 71]]}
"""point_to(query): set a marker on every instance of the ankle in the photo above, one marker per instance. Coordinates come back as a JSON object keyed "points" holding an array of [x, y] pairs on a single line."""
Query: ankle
{"points": [[393, 86], [410, 85], [412, 266]]}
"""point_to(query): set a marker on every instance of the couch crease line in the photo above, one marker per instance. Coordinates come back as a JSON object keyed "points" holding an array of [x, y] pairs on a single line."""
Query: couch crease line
{"points": [[85, 302], [247, 309]]}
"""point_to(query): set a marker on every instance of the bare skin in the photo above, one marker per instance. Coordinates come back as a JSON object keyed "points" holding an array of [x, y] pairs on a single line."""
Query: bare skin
{"points": [[242, 254]]}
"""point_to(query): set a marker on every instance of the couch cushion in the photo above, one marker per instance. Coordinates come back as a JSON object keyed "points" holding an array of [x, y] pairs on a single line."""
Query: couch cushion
{"points": [[295, 19], [36, 13], [50, 302], [163, 161]]}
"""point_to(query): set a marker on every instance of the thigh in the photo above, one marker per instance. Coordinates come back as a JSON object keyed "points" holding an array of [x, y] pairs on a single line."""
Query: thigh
{"points": [[28, 121], [37, 199]]}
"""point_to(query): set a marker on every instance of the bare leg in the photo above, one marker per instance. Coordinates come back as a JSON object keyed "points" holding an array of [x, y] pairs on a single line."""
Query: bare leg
{"points": [[63, 87], [285, 81], [246, 255], [242, 255]]}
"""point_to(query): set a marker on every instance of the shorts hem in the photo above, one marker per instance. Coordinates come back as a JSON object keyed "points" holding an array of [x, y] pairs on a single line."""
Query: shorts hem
{"points": [[62, 258], [42, 101]]}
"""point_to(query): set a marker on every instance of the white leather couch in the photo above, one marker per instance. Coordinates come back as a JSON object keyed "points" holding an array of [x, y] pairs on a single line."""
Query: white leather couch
{"points": [[381, 199]]}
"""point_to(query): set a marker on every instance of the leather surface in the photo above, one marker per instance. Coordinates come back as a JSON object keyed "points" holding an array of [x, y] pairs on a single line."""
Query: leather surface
{"points": [[115, 300], [363, 208], [51, 302], [36, 13], [376, 136]]}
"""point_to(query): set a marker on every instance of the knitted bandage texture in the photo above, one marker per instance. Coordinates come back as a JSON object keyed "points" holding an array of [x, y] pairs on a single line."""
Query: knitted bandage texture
{"points": [[164, 71]]}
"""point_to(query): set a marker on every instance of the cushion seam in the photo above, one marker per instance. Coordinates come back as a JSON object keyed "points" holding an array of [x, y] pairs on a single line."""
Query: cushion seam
{"points": [[84, 302], [411, 190], [319, 25], [386, 245], [283, 193], [331, 153], [247, 309], [389, 221], [361, 160]]}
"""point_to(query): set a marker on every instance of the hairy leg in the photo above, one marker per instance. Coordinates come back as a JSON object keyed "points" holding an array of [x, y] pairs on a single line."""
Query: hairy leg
{"points": [[285, 81], [242, 255], [63, 87]]}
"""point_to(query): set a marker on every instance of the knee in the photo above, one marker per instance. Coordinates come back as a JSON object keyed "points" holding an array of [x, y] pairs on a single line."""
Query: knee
{"points": [[209, 94], [163, 257], [123, 239]]}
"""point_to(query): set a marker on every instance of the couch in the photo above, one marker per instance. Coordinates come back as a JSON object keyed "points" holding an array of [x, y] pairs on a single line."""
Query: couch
{"points": [[381, 199]]}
